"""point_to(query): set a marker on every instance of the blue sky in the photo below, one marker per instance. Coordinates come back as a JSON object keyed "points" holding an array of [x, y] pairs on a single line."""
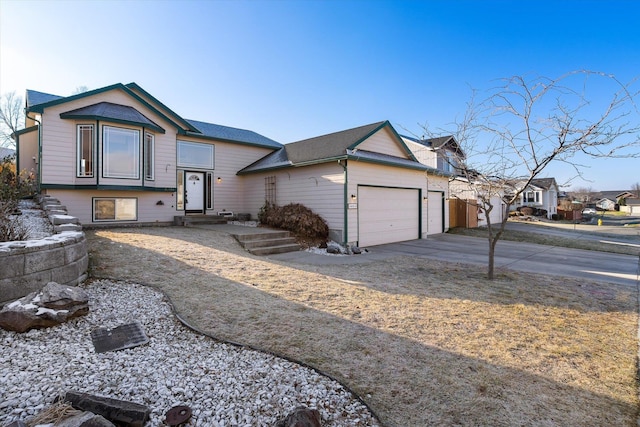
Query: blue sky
{"points": [[292, 70]]}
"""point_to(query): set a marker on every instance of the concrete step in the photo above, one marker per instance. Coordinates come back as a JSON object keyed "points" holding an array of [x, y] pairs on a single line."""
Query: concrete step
{"points": [[267, 243], [261, 236], [279, 249], [187, 220], [263, 243]]}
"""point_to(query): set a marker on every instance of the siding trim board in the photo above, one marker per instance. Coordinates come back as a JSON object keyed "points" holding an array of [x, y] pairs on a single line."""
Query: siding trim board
{"points": [[107, 187]]}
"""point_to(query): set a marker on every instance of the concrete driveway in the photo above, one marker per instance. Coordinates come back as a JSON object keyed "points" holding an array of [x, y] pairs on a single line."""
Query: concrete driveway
{"points": [[591, 265]]}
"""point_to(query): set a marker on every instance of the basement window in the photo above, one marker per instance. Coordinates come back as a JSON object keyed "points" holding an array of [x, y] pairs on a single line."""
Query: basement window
{"points": [[115, 209]]}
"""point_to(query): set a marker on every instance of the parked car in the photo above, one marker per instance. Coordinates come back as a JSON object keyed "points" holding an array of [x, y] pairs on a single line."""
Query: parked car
{"points": [[589, 211]]}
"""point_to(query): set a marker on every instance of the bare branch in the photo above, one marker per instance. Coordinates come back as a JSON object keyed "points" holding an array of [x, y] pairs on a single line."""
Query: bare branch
{"points": [[11, 117]]}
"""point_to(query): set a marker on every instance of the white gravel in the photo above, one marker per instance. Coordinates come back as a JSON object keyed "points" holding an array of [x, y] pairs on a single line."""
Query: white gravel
{"points": [[34, 219], [223, 384]]}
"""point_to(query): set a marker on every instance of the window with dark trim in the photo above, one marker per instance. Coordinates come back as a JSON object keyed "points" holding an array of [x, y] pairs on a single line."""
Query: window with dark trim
{"points": [[115, 209], [120, 152], [84, 167], [149, 156]]}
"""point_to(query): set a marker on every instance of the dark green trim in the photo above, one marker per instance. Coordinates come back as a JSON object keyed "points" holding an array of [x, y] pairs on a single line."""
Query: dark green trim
{"points": [[109, 119], [25, 130], [361, 140], [186, 124], [108, 187], [418, 166], [397, 137], [39, 108], [233, 141]]}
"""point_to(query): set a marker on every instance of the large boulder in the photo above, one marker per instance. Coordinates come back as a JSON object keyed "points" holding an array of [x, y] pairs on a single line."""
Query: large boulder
{"points": [[301, 417], [52, 305]]}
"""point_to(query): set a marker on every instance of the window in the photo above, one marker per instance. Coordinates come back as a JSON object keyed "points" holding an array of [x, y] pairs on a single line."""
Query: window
{"points": [[149, 156], [84, 166], [113, 209], [121, 153], [209, 190], [531, 197], [180, 190], [194, 155]]}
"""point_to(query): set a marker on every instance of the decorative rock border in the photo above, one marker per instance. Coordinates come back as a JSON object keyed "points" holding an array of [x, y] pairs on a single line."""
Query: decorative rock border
{"points": [[29, 265]]}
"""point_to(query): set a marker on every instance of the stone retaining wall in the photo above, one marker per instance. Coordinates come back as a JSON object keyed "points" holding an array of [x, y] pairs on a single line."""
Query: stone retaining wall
{"points": [[26, 266]]}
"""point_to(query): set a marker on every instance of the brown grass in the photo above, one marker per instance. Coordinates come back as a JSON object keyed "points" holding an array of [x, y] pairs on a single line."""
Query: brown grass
{"points": [[422, 342]]}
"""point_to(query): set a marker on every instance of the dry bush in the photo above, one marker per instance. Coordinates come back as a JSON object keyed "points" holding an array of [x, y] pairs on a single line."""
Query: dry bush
{"points": [[527, 210], [296, 218], [12, 188]]}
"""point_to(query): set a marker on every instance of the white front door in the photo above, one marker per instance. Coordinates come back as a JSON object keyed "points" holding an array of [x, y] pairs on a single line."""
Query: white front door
{"points": [[194, 191]]}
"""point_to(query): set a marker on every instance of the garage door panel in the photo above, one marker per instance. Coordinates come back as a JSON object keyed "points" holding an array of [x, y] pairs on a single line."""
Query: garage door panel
{"points": [[387, 215]]}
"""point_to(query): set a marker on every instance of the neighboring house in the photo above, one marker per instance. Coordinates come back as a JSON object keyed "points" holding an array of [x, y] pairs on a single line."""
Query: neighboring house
{"points": [[632, 206], [606, 204], [542, 193], [118, 156], [442, 153], [461, 189]]}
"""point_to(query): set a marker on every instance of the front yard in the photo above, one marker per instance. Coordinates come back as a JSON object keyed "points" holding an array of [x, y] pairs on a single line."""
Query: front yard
{"points": [[422, 342]]}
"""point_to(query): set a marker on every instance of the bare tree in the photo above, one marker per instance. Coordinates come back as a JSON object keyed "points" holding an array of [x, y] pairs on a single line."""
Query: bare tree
{"points": [[11, 117], [635, 189], [524, 124], [583, 194]]}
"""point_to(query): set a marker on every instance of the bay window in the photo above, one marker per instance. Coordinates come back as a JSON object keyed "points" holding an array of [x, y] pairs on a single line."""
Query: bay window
{"points": [[84, 153], [120, 153]]}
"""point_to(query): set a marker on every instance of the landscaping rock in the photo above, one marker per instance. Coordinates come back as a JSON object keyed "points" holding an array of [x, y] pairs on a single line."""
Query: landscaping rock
{"points": [[334, 248], [356, 250], [51, 306], [119, 412], [85, 419], [301, 417]]}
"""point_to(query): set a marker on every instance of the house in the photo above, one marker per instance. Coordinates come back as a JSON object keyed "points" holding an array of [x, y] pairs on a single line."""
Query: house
{"points": [[631, 206], [6, 152], [541, 193], [444, 153], [364, 182], [118, 156]]}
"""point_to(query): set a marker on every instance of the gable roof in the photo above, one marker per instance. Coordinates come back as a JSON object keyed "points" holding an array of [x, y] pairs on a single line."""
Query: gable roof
{"points": [[113, 112], [226, 133], [335, 146], [39, 101], [34, 97], [544, 183]]}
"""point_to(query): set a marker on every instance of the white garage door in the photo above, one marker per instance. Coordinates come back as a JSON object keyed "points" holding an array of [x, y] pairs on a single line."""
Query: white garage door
{"points": [[387, 215], [435, 212]]}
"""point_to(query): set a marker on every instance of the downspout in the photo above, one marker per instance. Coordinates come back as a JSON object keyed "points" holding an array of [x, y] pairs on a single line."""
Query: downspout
{"points": [[39, 182], [345, 201], [144, 153]]}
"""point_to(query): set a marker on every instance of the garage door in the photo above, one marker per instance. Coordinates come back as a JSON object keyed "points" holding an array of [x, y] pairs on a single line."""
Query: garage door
{"points": [[435, 212], [387, 215]]}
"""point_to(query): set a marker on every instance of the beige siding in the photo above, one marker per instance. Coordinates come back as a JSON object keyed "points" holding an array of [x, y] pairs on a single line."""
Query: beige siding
{"points": [[383, 142], [59, 144], [28, 150], [79, 204], [423, 154], [319, 187], [229, 158]]}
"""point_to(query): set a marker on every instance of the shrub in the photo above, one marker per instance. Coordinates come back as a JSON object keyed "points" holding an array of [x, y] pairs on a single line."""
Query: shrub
{"points": [[526, 210], [297, 218], [12, 188]]}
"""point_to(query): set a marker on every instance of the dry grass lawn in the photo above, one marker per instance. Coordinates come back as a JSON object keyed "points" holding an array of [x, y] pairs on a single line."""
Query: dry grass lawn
{"points": [[422, 342]]}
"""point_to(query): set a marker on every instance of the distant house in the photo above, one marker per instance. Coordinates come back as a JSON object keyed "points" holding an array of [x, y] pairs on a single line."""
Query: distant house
{"points": [[6, 152], [541, 193], [118, 156], [631, 206]]}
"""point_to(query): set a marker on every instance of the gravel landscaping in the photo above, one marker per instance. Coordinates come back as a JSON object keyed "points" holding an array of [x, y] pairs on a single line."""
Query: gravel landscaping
{"points": [[224, 385]]}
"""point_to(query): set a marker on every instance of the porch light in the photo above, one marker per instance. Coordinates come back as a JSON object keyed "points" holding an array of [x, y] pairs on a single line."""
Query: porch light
{"points": [[219, 180], [353, 197]]}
